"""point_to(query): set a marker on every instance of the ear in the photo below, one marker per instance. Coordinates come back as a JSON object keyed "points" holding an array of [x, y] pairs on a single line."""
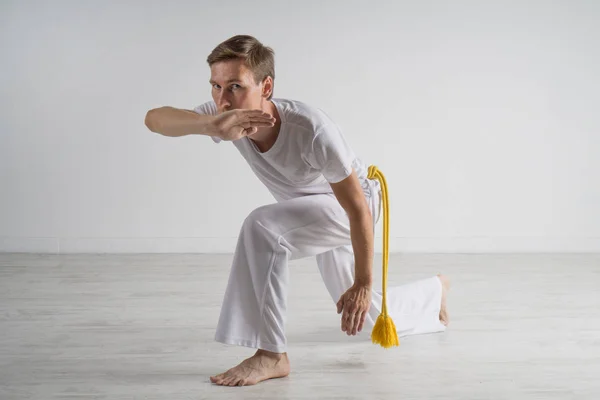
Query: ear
{"points": [[267, 87]]}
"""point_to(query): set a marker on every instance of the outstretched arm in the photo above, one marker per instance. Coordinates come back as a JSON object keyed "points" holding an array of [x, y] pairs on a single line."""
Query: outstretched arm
{"points": [[175, 122], [230, 125]]}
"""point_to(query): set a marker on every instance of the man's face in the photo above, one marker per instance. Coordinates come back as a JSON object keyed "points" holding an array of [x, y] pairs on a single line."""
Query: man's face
{"points": [[233, 86]]}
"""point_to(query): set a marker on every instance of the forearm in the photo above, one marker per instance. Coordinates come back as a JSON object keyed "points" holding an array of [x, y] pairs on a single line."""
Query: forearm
{"points": [[170, 121], [361, 233]]}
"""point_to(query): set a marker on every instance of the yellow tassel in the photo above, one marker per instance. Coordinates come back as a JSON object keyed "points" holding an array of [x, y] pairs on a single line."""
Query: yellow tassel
{"points": [[384, 332]]}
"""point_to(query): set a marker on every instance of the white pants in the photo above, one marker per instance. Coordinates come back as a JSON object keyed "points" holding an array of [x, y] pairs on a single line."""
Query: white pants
{"points": [[254, 305]]}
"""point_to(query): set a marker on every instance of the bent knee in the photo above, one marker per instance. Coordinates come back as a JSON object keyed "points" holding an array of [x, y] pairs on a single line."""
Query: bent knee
{"points": [[261, 219]]}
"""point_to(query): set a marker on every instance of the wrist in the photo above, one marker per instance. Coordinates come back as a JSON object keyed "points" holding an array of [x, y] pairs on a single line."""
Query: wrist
{"points": [[364, 282], [210, 127]]}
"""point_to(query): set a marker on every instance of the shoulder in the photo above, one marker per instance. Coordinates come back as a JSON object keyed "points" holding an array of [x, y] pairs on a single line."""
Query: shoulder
{"points": [[302, 115], [209, 108]]}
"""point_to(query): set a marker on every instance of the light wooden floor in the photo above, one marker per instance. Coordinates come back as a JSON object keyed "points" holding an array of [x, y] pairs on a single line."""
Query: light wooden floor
{"points": [[141, 327]]}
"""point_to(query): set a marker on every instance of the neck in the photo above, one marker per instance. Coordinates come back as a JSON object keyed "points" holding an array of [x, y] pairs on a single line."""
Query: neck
{"points": [[265, 137]]}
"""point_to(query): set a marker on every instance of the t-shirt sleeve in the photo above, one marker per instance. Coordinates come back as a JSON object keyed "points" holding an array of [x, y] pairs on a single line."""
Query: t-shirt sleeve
{"points": [[208, 108], [331, 154]]}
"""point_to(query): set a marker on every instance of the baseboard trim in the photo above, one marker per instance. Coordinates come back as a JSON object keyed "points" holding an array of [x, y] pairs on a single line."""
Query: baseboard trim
{"points": [[226, 245]]}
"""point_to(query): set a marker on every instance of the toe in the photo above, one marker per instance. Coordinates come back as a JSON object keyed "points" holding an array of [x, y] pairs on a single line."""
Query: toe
{"points": [[232, 381], [227, 381]]}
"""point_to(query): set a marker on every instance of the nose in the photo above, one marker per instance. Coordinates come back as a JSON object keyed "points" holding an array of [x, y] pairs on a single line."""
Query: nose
{"points": [[223, 101]]}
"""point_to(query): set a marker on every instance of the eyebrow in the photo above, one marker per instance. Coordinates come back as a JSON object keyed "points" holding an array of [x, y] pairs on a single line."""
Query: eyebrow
{"points": [[229, 81]]}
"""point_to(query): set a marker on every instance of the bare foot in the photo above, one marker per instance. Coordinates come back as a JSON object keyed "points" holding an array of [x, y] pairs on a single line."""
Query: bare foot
{"points": [[444, 319], [261, 366]]}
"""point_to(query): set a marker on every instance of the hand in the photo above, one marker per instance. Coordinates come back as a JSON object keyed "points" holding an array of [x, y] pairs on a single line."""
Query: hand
{"points": [[235, 124], [355, 304]]}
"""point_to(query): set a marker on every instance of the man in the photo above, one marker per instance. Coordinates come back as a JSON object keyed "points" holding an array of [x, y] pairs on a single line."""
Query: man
{"points": [[326, 207]]}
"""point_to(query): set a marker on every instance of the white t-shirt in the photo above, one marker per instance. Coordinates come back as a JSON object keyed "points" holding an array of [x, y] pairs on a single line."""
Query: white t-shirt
{"points": [[309, 153]]}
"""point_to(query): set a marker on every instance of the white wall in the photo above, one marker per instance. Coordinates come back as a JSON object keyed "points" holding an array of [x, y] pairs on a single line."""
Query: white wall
{"points": [[483, 116]]}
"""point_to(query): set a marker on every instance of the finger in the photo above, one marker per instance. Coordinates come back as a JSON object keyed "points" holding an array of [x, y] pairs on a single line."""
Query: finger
{"points": [[260, 116], [350, 323], [361, 323], [340, 305], [357, 319], [256, 124], [251, 131], [256, 114], [346, 319], [357, 322], [256, 111], [261, 123]]}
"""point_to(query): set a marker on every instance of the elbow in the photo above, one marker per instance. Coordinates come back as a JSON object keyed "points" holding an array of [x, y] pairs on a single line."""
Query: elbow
{"points": [[151, 120], [359, 211]]}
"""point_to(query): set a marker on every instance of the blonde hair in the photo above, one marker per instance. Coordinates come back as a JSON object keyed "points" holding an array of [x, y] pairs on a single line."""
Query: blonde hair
{"points": [[258, 58]]}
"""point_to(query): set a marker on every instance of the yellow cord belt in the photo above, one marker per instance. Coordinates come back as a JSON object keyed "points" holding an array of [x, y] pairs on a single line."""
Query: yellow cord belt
{"points": [[384, 331]]}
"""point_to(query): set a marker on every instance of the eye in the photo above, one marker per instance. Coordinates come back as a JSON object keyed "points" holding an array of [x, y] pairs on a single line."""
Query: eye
{"points": [[235, 86], [215, 86]]}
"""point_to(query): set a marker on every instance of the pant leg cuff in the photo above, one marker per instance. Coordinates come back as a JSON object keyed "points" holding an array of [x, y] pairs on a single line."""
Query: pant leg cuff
{"points": [[250, 343]]}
